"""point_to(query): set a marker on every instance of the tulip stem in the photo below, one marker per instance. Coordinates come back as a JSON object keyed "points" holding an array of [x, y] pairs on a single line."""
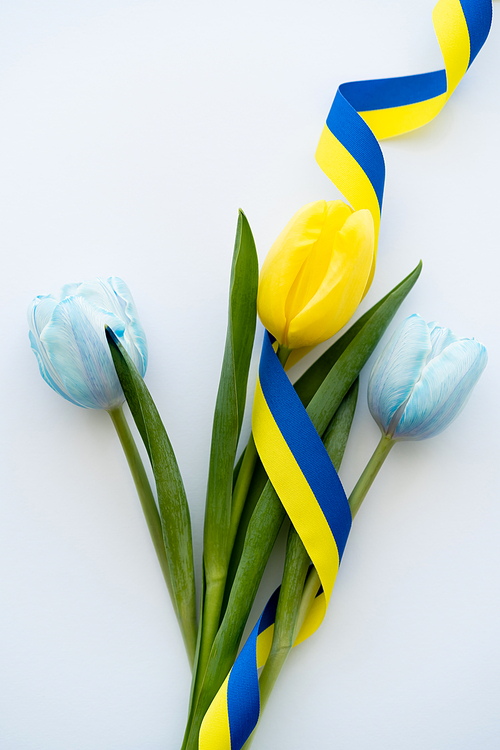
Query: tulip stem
{"points": [[283, 354], [245, 473], [285, 627], [241, 489], [371, 470], [146, 496]]}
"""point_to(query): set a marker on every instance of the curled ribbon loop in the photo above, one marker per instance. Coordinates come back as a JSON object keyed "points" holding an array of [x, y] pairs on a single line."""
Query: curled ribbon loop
{"points": [[290, 449], [364, 111]]}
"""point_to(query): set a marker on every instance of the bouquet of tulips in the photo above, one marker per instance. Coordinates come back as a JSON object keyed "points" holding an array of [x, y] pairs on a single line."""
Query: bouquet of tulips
{"points": [[91, 349]]}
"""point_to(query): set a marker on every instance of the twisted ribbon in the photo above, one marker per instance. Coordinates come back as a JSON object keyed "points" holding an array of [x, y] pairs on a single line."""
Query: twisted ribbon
{"points": [[288, 445], [364, 111], [305, 480], [302, 474]]}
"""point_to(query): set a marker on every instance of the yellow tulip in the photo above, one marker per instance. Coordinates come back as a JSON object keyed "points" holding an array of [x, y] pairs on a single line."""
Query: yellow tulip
{"points": [[316, 273]]}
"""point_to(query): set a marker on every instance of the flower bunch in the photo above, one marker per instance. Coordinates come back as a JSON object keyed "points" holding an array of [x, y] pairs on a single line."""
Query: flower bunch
{"points": [[91, 349]]}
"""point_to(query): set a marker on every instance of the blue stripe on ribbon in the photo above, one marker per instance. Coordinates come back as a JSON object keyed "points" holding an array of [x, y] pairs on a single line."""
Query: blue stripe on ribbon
{"points": [[478, 16], [305, 444], [355, 135], [385, 93], [268, 615], [243, 698]]}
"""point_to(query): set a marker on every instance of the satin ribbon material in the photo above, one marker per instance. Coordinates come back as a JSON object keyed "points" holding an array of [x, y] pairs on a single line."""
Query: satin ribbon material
{"points": [[364, 112], [289, 446], [234, 712], [308, 485], [300, 469]]}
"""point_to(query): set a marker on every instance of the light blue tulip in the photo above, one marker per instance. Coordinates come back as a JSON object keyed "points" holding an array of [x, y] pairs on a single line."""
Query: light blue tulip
{"points": [[423, 379], [68, 338]]}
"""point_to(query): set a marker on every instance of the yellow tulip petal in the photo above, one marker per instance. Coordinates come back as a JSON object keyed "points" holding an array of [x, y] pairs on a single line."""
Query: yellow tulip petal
{"points": [[283, 263], [315, 267], [338, 213], [342, 287]]}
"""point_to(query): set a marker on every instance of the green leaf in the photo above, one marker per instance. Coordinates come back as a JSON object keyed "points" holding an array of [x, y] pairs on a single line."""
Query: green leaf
{"points": [[243, 308], [231, 399], [337, 432], [350, 356], [172, 501], [228, 418]]}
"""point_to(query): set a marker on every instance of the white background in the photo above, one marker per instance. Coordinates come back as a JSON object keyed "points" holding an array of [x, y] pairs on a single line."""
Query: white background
{"points": [[131, 132]]}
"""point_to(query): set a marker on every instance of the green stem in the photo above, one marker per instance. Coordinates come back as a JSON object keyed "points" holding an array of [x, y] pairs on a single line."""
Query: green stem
{"points": [[294, 576], [246, 471], [356, 498], [241, 488], [216, 584], [283, 354], [367, 477], [309, 595], [143, 488], [257, 485], [216, 581], [250, 482], [214, 594]]}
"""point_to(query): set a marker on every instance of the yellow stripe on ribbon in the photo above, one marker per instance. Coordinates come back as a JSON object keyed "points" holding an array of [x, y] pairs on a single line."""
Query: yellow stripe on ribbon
{"points": [[214, 732]]}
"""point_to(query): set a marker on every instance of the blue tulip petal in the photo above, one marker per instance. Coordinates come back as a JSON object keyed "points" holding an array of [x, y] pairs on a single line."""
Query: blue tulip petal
{"points": [[40, 313], [135, 337], [443, 390], [76, 347], [397, 370], [44, 369], [114, 296], [99, 293], [440, 339], [69, 290]]}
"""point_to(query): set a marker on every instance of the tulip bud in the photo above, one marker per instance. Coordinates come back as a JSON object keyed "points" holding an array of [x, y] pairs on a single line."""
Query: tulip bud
{"points": [[68, 338], [316, 273], [423, 379]]}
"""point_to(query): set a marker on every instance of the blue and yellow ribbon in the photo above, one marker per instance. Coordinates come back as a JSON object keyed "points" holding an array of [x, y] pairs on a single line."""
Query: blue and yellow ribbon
{"points": [[290, 449], [305, 480], [364, 112], [234, 712], [301, 472]]}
